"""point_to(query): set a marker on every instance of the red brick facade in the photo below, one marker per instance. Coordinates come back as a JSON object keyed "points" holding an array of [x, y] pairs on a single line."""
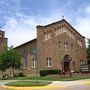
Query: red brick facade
{"points": [[3, 41], [59, 46]]}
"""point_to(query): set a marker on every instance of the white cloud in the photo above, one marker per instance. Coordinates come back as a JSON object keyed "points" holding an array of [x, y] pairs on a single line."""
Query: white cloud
{"points": [[83, 25], [22, 28], [88, 9], [19, 32]]}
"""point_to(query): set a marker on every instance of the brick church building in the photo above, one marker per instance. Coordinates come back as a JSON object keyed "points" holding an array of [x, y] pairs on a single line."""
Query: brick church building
{"points": [[57, 46]]}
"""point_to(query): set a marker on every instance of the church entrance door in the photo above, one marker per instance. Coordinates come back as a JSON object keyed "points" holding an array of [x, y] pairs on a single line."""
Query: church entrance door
{"points": [[67, 59]]}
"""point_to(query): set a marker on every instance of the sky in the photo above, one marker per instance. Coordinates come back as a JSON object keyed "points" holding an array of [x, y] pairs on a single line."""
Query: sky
{"points": [[19, 18]]}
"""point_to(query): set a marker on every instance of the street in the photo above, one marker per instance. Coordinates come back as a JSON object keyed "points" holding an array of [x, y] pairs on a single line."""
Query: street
{"points": [[68, 85], [74, 87], [57, 85]]}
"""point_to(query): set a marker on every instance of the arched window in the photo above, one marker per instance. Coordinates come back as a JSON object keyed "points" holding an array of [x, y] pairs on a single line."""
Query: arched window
{"points": [[48, 62], [33, 63], [71, 45], [81, 62], [59, 44], [25, 57], [66, 46]]}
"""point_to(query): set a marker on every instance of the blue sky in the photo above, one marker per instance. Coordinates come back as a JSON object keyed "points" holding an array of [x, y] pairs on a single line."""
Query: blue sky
{"points": [[19, 18]]}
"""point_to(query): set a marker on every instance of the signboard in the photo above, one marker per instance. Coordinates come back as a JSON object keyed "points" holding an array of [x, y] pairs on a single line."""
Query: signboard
{"points": [[84, 68], [34, 51]]}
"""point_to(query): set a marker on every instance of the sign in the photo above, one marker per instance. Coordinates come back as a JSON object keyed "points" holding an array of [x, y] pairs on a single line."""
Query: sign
{"points": [[84, 68], [34, 51]]}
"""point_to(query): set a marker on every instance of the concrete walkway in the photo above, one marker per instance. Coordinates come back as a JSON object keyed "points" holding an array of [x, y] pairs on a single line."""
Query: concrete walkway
{"points": [[70, 83]]}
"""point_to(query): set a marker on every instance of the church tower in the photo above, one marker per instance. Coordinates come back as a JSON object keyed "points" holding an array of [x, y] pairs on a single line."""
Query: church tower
{"points": [[3, 41]]}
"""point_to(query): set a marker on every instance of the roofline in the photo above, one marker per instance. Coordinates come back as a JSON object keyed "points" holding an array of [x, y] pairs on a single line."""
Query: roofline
{"points": [[73, 28], [60, 22], [2, 31], [25, 43]]}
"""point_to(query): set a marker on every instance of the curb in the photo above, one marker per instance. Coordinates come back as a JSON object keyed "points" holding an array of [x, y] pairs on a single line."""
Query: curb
{"points": [[30, 88]]}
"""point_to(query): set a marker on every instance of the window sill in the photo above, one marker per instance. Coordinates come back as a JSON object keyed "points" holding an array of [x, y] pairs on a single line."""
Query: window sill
{"points": [[49, 66], [59, 49], [33, 67], [67, 50], [25, 68]]}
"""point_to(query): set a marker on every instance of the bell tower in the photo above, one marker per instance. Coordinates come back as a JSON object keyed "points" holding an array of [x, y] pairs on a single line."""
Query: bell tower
{"points": [[3, 40]]}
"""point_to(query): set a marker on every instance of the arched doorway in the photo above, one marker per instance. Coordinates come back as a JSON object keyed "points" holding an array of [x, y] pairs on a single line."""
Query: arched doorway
{"points": [[67, 58]]}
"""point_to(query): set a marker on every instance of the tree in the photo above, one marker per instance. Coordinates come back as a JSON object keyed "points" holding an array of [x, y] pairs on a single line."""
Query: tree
{"points": [[3, 61], [10, 59], [88, 51], [88, 48]]}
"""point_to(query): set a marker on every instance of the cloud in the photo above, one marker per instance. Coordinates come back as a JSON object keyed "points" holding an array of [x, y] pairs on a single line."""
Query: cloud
{"points": [[88, 9], [19, 31], [83, 26], [23, 29]]}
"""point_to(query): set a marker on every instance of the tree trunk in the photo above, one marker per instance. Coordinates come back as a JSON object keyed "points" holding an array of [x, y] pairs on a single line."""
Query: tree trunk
{"points": [[2, 74], [10, 72], [13, 72]]}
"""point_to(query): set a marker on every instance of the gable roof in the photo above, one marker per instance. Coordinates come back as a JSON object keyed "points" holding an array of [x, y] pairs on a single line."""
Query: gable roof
{"points": [[63, 20], [2, 31], [26, 43]]}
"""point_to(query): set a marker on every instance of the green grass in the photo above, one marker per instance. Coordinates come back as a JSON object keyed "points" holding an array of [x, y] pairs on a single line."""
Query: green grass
{"points": [[28, 83], [78, 77]]}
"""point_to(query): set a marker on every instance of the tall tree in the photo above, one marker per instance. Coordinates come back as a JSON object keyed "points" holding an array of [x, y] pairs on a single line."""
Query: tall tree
{"points": [[88, 51], [10, 59], [88, 48]]}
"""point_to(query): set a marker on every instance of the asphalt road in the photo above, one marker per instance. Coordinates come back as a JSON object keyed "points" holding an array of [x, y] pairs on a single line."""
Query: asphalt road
{"points": [[77, 87], [67, 85], [74, 87], [59, 85], [3, 89]]}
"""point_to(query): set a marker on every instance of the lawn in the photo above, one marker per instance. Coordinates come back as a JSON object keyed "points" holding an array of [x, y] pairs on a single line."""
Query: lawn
{"points": [[27, 83], [42, 81], [54, 78]]}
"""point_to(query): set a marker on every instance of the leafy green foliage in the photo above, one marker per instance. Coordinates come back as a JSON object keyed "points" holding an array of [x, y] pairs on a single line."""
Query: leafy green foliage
{"points": [[27, 83], [49, 72], [88, 49], [3, 61], [9, 58], [21, 74]]}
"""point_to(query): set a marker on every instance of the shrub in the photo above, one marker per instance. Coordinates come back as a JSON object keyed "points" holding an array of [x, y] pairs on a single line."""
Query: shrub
{"points": [[49, 72], [19, 75], [16, 75]]}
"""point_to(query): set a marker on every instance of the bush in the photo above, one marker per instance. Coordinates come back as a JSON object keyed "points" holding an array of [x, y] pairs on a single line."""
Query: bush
{"points": [[16, 75], [49, 72], [19, 75]]}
